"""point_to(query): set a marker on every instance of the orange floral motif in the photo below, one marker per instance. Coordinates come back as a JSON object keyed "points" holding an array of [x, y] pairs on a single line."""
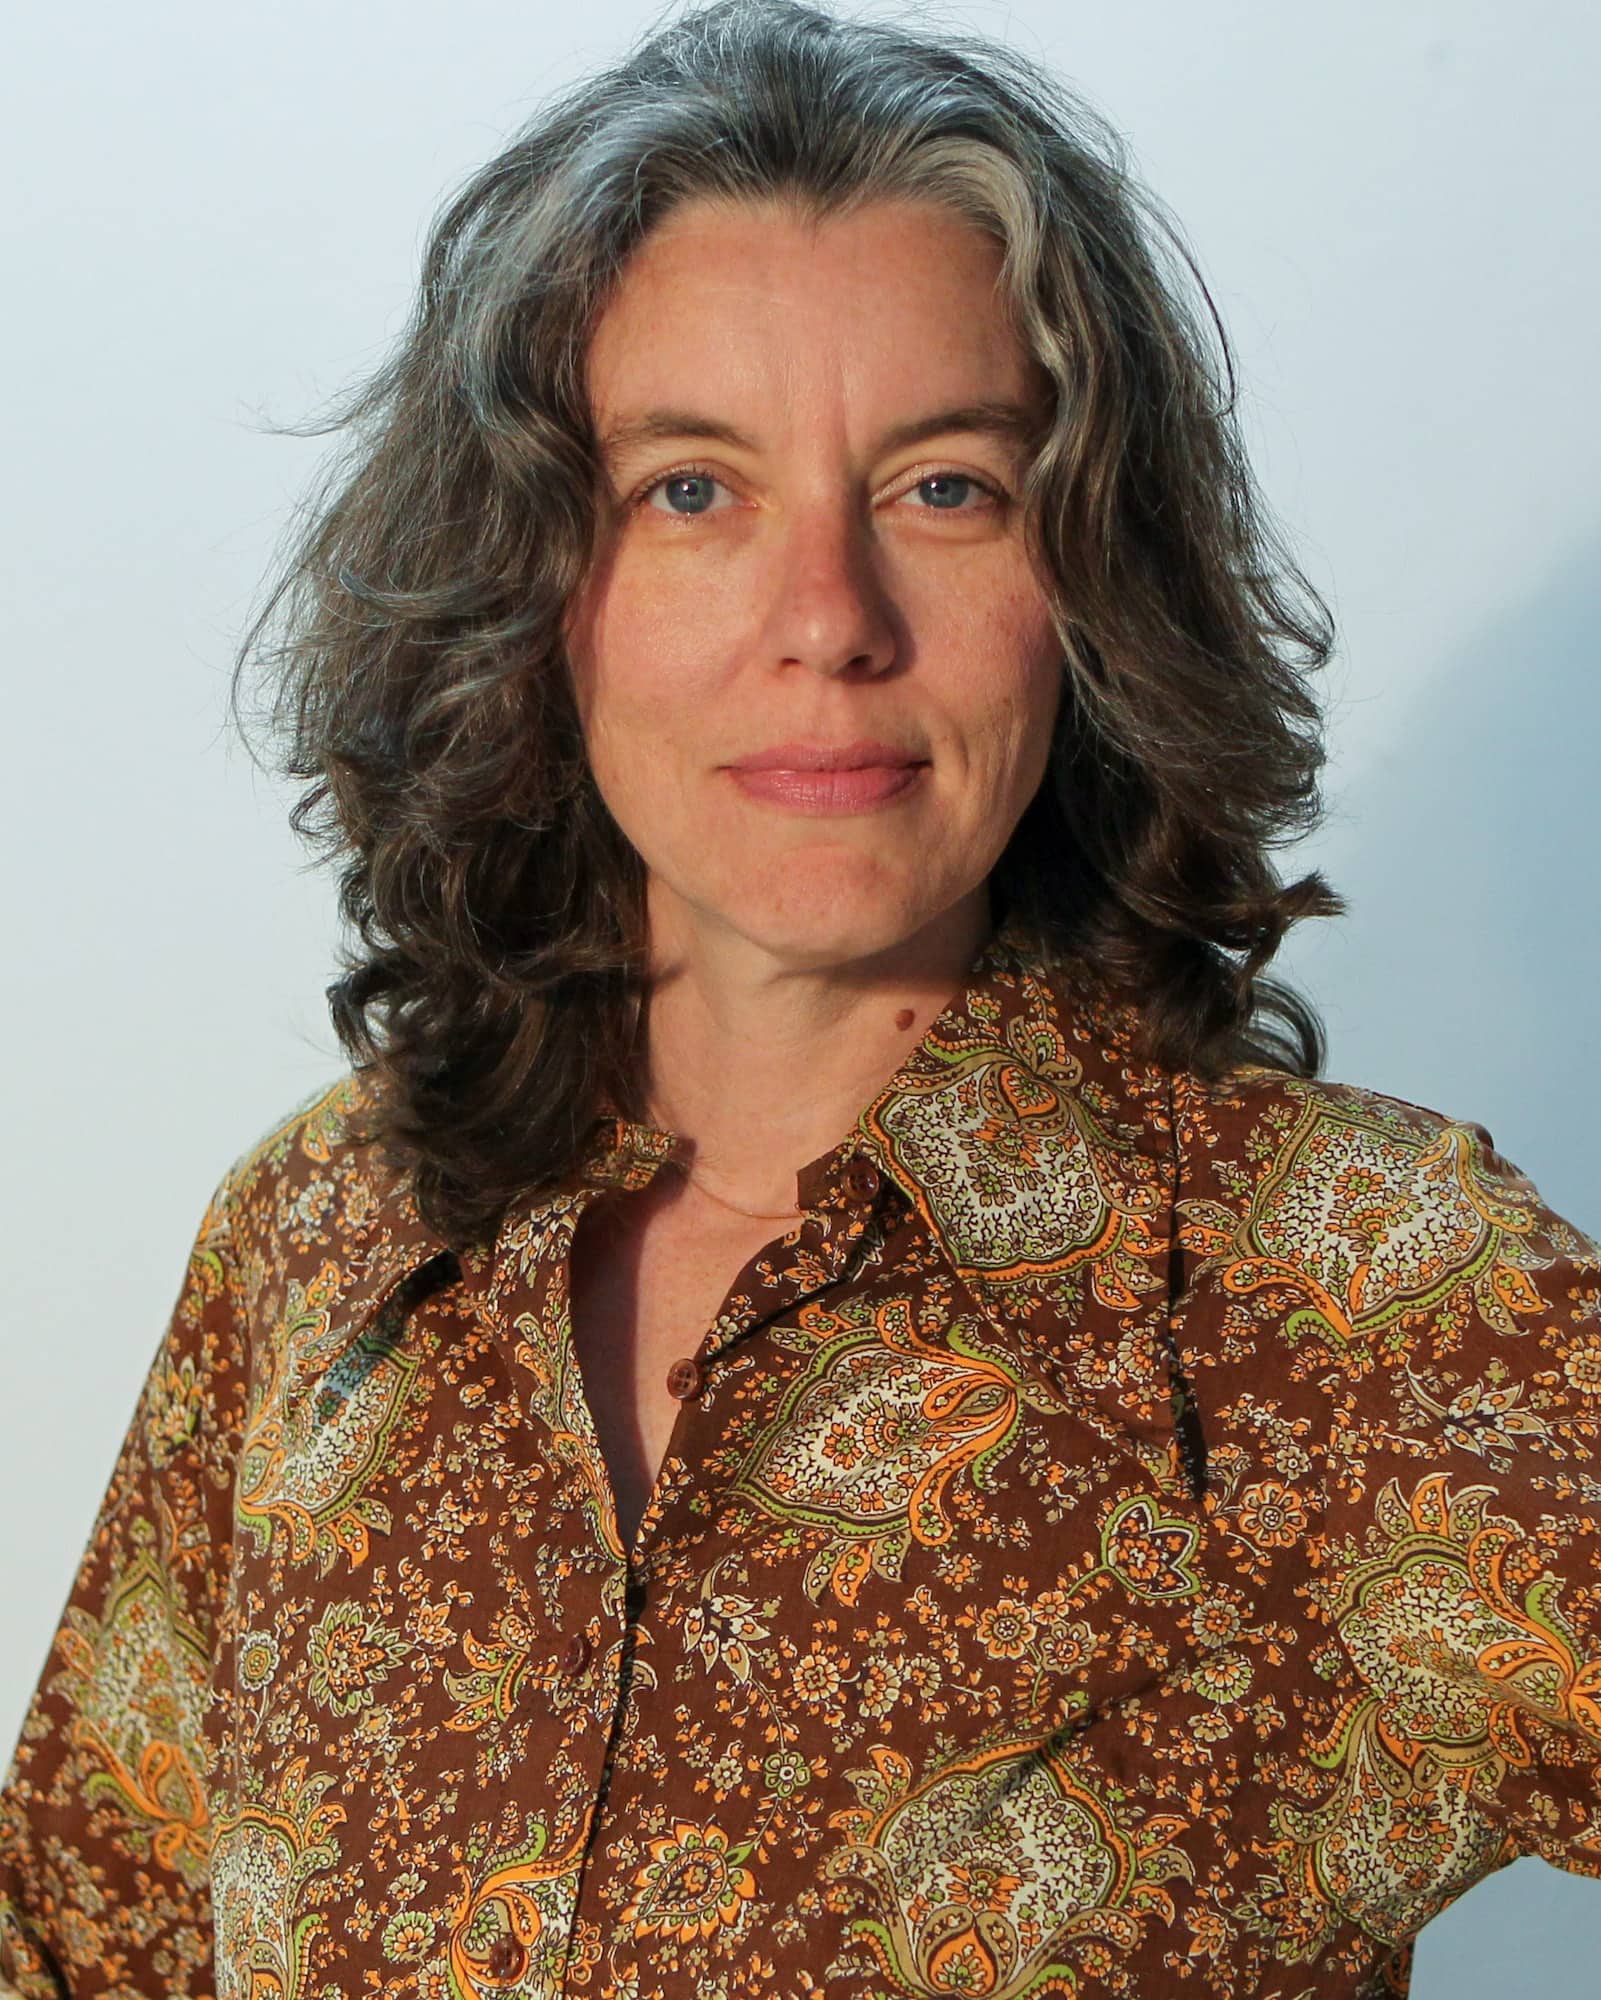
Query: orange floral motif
{"points": [[351, 1654], [983, 1888], [1581, 1363], [693, 1882], [1272, 1515], [1005, 1628], [1148, 1552], [487, 1693], [139, 1679]]}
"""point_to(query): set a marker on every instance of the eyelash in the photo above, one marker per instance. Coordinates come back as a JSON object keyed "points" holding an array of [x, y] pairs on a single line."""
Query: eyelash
{"points": [[997, 493]]}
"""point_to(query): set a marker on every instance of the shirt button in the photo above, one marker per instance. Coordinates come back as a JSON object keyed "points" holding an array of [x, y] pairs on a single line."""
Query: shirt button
{"points": [[684, 1379], [506, 1958], [862, 1179], [574, 1658]]}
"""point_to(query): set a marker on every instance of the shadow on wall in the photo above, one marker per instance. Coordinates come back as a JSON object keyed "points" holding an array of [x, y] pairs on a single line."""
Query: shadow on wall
{"points": [[1467, 977]]}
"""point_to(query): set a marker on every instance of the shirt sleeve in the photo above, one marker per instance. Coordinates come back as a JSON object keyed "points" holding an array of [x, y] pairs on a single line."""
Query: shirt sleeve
{"points": [[1462, 1566], [104, 1830]]}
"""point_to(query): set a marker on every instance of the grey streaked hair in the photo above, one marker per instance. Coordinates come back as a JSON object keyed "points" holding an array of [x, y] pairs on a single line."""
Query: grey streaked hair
{"points": [[413, 641]]}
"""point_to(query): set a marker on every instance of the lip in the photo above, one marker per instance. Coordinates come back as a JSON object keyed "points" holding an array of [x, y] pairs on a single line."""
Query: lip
{"points": [[859, 756], [855, 788]]}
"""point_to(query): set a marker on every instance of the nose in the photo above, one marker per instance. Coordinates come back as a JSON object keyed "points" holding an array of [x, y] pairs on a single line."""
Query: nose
{"points": [[827, 605]]}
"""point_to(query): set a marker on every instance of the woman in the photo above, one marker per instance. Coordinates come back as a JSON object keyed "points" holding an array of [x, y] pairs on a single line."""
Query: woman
{"points": [[831, 1408]]}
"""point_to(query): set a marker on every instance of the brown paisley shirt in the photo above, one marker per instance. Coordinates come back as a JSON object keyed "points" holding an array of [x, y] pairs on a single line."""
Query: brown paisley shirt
{"points": [[1131, 1536]]}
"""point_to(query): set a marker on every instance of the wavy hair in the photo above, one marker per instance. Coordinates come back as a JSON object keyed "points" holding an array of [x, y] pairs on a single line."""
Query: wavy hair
{"points": [[412, 639]]}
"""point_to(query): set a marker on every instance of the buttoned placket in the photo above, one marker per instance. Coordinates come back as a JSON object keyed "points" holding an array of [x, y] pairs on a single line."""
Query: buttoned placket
{"points": [[857, 1207]]}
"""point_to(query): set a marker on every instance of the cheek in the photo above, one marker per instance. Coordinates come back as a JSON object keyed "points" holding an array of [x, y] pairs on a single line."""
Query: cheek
{"points": [[1008, 694], [1038, 665], [641, 678]]}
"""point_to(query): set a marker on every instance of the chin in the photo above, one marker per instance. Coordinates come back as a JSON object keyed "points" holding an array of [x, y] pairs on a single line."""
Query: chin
{"points": [[833, 929]]}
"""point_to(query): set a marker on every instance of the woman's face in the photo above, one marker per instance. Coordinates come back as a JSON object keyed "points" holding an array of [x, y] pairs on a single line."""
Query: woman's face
{"points": [[808, 543]]}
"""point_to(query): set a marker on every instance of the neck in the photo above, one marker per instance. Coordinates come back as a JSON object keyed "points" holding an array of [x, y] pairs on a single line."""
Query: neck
{"points": [[764, 1061]]}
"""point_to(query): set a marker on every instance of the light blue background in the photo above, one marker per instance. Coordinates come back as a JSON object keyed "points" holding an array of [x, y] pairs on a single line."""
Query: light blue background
{"points": [[213, 214]]}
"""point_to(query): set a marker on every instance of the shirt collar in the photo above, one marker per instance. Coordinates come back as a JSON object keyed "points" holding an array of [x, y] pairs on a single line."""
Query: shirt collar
{"points": [[1023, 1127], [1026, 1128]]}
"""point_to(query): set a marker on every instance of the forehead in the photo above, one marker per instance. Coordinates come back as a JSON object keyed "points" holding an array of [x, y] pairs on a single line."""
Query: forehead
{"points": [[759, 300]]}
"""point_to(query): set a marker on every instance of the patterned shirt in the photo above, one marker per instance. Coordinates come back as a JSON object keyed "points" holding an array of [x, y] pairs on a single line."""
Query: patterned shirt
{"points": [[1131, 1536]]}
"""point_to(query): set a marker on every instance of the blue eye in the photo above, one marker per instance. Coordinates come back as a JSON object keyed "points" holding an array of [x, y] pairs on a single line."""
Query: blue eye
{"points": [[948, 480], [676, 482]]}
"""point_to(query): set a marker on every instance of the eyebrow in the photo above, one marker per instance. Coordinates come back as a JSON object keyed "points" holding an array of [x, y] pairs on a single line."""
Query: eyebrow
{"points": [[1009, 423]]}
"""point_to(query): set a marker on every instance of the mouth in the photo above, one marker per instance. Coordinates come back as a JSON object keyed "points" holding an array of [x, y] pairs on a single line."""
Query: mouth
{"points": [[830, 789]]}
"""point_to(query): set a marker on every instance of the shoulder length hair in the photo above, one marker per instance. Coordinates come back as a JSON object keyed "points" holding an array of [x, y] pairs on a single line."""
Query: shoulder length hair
{"points": [[412, 639]]}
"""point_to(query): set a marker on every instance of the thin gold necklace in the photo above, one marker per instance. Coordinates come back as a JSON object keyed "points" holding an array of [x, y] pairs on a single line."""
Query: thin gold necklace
{"points": [[754, 1215]]}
